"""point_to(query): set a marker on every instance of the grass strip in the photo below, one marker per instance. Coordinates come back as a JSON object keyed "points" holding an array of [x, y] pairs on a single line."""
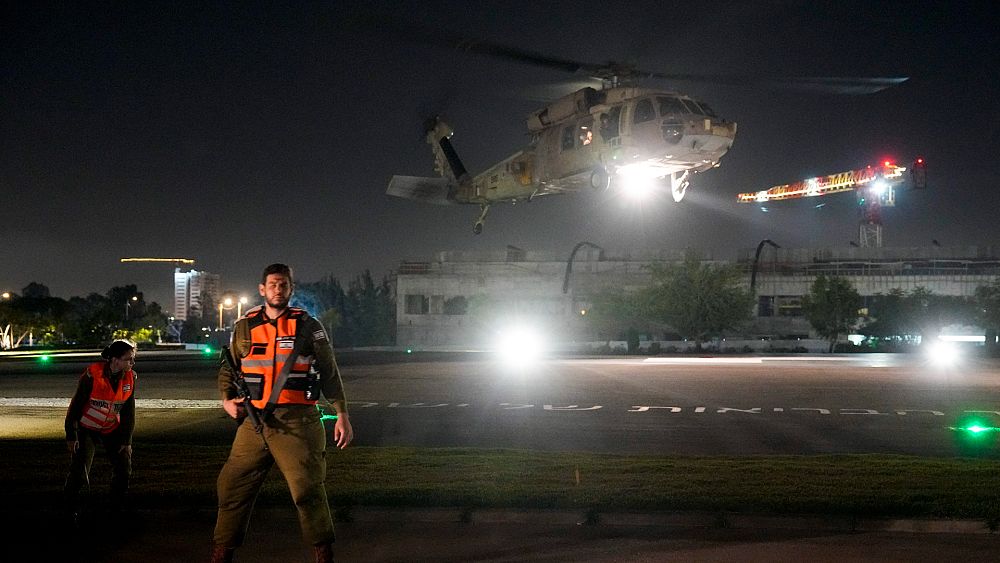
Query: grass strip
{"points": [[178, 475]]}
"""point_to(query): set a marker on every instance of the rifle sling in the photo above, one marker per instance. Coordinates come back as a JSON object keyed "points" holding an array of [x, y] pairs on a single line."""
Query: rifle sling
{"points": [[282, 378]]}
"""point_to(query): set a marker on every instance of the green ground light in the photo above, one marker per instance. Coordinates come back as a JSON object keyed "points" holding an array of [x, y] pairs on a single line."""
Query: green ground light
{"points": [[975, 436]]}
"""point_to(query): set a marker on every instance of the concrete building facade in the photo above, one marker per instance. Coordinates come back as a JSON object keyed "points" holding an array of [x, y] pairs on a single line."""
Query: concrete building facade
{"points": [[190, 286], [460, 299]]}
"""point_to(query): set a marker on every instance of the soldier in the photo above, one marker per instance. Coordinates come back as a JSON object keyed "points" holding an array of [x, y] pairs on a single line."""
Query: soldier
{"points": [[286, 361]]}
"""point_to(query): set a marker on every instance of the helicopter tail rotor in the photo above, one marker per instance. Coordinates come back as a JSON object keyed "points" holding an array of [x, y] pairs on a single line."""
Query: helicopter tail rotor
{"points": [[446, 160]]}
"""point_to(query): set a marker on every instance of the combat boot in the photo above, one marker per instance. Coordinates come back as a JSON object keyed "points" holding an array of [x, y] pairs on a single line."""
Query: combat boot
{"points": [[221, 554], [324, 553]]}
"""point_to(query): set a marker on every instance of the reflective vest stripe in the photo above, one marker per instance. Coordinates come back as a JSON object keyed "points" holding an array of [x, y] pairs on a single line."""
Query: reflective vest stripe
{"points": [[105, 404], [271, 351]]}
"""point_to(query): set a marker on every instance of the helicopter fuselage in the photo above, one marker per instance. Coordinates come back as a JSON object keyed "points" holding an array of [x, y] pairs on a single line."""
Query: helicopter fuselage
{"points": [[633, 131], [591, 139]]}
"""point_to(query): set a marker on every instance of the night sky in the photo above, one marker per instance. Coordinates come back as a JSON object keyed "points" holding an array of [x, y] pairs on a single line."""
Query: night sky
{"points": [[242, 135]]}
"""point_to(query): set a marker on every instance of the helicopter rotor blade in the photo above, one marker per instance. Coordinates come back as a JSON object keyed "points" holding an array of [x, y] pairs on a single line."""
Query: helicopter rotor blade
{"points": [[821, 84], [614, 71], [448, 40]]}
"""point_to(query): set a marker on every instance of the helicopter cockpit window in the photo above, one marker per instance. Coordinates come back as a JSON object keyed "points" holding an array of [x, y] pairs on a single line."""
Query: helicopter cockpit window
{"points": [[569, 137], [644, 111], [693, 107], [706, 110], [671, 106]]}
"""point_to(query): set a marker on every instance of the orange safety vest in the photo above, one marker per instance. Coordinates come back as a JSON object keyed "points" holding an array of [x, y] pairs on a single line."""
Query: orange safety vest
{"points": [[271, 343], [105, 404]]}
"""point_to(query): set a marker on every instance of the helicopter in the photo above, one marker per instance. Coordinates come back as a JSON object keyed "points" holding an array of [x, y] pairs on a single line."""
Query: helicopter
{"points": [[618, 137]]}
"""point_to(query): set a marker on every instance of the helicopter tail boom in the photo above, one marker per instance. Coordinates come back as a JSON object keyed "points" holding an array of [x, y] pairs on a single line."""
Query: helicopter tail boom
{"points": [[439, 191], [446, 160]]}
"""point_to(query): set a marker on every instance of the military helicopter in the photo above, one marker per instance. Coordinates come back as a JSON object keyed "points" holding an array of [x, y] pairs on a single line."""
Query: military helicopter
{"points": [[616, 137]]}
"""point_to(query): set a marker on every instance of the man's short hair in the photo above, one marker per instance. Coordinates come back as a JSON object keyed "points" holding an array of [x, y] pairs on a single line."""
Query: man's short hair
{"points": [[280, 269]]}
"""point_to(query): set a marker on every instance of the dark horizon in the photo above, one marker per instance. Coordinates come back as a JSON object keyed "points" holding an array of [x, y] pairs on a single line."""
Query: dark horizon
{"points": [[183, 131]]}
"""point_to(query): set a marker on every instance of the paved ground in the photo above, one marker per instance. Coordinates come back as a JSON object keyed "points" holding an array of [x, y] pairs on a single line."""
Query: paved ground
{"points": [[728, 405], [153, 537], [854, 407]]}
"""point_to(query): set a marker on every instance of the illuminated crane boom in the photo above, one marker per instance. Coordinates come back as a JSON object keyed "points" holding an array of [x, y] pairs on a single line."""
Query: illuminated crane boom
{"points": [[875, 186], [184, 261]]}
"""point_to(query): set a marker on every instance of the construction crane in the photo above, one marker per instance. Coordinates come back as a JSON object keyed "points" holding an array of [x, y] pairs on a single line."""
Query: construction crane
{"points": [[178, 261], [875, 187]]}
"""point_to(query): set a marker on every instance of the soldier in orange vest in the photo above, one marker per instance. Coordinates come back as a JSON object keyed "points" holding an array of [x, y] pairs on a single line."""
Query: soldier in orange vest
{"points": [[102, 411], [286, 361]]}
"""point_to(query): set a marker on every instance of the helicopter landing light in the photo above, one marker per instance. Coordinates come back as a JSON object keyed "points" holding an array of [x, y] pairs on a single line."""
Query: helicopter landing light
{"points": [[639, 180]]}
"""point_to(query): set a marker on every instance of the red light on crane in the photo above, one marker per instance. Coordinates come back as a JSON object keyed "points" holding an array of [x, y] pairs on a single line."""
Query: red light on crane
{"points": [[888, 163], [919, 173]]}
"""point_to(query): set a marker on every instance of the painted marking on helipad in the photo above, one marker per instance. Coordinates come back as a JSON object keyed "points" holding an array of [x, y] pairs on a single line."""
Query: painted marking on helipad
{"points": [[702, 361], [63, 402]]}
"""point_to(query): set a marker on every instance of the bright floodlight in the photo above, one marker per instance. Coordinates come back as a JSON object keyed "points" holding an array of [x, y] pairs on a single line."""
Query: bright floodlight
{"points": [[520, 345], [638, 181], [943, 353], [879, 187]]}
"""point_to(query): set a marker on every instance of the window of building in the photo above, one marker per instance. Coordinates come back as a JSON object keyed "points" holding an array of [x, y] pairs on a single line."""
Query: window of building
{"points": [[457, 305], [416, 305], [644, 111], [789, 306], [765, 306], [437, 304]]}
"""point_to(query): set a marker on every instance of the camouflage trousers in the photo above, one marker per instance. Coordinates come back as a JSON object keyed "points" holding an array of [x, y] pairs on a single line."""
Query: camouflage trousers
{"points": [[296, 441]]}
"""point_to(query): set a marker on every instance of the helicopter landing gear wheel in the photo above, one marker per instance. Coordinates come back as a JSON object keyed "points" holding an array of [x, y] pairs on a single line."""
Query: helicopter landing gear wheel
{"points": [[483, 210], [600, 180], [679, 185]]}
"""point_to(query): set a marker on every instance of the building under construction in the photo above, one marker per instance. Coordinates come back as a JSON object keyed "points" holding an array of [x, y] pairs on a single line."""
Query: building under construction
{"points": [[434, 298]]}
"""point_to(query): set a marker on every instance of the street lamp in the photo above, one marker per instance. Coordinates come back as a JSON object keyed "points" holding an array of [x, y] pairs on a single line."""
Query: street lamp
{"points": [[756, 258], [5, 295], [569, 263], [226, 303], [239, 307], [128, 304]]}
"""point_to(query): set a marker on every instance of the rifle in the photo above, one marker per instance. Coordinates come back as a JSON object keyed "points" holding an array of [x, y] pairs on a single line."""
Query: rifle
{"points": [[243, 391]]}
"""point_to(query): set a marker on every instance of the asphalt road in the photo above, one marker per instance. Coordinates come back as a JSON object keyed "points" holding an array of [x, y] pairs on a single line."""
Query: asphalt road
{"points": [[725, 405]]}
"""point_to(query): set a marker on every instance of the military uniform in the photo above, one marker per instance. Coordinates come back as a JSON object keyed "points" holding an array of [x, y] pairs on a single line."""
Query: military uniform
{"points": [[293, 436]]}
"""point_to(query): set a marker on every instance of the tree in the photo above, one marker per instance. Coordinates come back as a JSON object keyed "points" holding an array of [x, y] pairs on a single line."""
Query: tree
{"points": [[612, 312], [372, 311], [920, 312], [326, 300], [364, 315], [831, 307], [699, 301], [987, 302], [35, 290], [91, 320], [37, 313]]}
